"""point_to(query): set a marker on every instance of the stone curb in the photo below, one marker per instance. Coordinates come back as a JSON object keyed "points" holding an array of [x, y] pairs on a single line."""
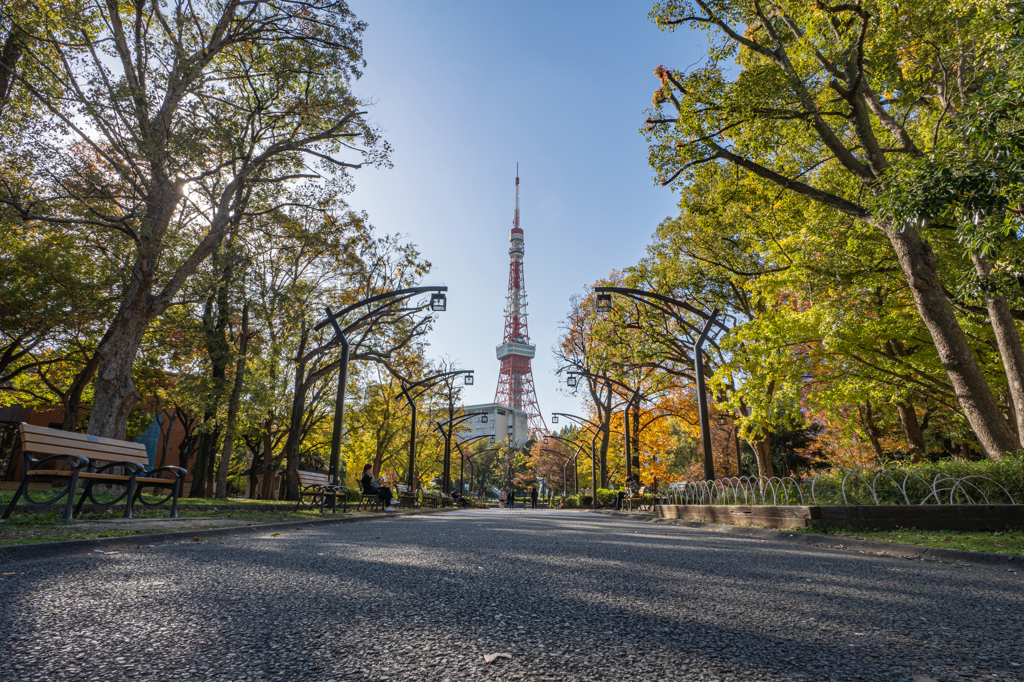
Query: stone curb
{"points": [[61, 548], [1008, 562]]}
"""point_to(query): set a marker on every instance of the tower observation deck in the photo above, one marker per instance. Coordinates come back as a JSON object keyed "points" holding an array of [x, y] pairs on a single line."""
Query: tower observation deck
{"points": [[515, 378]]}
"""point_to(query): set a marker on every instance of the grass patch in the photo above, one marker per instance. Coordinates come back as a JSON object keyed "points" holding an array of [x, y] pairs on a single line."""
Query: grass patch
{"points": [[1007, 542], [7, 495], [28, 528]]}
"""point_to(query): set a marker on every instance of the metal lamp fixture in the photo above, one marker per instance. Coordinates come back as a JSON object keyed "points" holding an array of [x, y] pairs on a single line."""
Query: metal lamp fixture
{"points": [[554, 419], [492, 439], [721, 419], [468, 380], [438, 302], [571, 381], [604, 303]]}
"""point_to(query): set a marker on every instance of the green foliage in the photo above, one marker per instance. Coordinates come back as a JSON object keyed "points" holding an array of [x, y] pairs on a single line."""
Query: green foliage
{"points": [[988, 479]]}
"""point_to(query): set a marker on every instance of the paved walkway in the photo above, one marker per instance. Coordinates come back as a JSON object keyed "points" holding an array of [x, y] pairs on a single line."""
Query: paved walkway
{"points": [[570, 595]]}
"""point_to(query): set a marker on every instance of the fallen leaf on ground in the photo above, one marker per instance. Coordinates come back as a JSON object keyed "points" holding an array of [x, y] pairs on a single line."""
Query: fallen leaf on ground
{"points": [[491, 658], [274, 535]]}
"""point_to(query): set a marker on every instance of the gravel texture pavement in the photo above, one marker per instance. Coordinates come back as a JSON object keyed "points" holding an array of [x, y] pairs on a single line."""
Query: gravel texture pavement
{"points": [[569, 595]]}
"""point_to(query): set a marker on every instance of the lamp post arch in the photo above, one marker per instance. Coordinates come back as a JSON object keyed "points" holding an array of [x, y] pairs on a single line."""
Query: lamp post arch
{"points": [[709, 331], [387, 301], [407, 389]]}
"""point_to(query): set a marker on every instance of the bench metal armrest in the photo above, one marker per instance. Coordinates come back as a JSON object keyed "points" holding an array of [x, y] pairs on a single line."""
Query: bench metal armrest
{"points": [[134, 467], [76, 461], [177, 471]]}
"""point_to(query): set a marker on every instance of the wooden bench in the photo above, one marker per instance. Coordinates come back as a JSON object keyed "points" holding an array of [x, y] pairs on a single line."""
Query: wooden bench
{"points": [[315, 485], [432, 500], [368, 500], [406, 498], [636, 498], [70, 457]]}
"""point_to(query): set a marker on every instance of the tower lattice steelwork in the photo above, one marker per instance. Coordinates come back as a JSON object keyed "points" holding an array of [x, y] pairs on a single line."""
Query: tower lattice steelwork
{"points": [[515, 379]]}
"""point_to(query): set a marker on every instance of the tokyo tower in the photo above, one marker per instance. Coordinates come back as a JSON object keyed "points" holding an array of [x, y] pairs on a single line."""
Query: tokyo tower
{"points": [[515, 379]]}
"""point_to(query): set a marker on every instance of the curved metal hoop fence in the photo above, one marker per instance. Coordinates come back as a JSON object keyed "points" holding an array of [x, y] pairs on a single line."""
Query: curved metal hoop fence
{"points": [[861, 486]]}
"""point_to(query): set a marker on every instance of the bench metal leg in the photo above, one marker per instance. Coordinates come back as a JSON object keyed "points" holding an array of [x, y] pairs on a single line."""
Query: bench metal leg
{"points": [[14, 500], [174, 499], [71, 495], [129, 499], [81, 500]]}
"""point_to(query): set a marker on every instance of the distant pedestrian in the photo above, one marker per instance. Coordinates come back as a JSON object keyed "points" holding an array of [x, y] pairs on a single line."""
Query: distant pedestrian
{"points": [[511, 499], [533, 497], [502, 498]]}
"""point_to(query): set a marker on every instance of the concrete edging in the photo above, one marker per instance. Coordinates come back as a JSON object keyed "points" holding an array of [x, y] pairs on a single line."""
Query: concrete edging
{"points": [[47, 550], [1010, 562]]}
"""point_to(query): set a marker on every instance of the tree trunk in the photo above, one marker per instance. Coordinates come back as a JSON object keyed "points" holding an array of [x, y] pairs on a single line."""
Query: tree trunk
{"points": [[291, 446], [115, 395], [10, 53], [867, 419], [73, 398], [165, 451], [1008, 340], [918, 262], [236, 396], [761, 446], [207, 445], [911, 429]]}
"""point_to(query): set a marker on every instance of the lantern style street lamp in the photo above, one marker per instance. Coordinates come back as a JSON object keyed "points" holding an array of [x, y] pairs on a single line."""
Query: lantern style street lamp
{"points": [[378, 307], [709, 331]]}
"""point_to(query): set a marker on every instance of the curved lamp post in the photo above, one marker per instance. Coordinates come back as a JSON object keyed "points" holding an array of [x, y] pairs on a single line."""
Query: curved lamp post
{"points": [[446, 434], [462, 456], [574, 459], [572, 380], [426, 385], [709, 331], [438, 302], [593, 456]]}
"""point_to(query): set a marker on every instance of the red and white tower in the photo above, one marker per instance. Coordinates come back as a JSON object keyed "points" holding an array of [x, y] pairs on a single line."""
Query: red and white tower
{"points": [[515, 379]]}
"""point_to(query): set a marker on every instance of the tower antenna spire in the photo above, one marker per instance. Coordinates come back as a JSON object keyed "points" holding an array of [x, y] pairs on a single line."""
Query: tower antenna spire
{"points": [[515, 378]]}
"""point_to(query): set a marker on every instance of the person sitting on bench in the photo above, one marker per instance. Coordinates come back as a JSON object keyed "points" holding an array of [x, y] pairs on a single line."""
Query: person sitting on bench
{"points": [[370, 487]]}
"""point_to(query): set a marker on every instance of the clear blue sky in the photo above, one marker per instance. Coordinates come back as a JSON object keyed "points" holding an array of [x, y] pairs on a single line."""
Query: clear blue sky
{"points": [[464, 90]]}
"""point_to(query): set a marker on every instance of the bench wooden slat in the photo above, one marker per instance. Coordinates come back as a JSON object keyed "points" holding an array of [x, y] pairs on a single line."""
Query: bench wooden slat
{"points": [[91, 455], [307, 478], [44, 441], [28, 430], [122, 446]]}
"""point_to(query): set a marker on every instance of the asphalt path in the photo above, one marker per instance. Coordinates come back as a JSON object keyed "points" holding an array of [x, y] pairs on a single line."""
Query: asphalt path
{"points": [[568, 595]]}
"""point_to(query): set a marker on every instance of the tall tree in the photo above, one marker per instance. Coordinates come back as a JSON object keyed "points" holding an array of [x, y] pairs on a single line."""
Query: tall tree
{"points": [[188, 107], [824, 101]]}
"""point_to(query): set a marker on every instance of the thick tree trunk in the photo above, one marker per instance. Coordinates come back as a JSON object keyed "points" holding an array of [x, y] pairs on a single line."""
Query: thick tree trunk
{"points": [[977, 401], [233, 404], [1008, 340], [911, 429], [115, 394]]}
